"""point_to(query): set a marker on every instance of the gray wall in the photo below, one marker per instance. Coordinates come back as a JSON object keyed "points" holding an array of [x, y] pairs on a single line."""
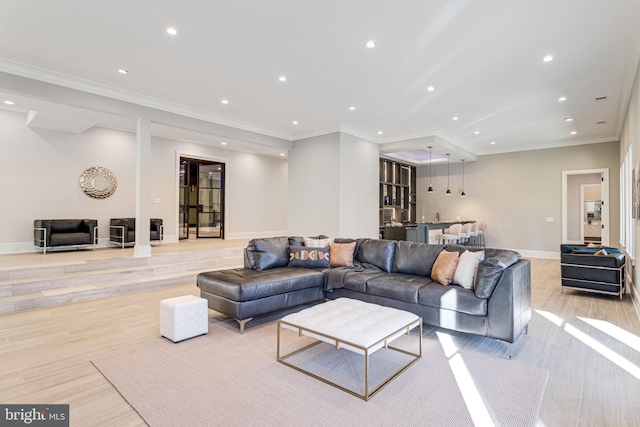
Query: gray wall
{"points": [[39, 172], [515, 193]]}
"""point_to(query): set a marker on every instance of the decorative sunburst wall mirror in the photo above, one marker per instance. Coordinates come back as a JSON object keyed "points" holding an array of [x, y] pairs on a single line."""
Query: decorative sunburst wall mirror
{"points": [[98, 182]]}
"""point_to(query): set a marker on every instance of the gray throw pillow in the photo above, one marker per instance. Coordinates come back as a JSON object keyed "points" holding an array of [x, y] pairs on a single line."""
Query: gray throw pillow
{"points": [[490, 270], [308, 257], [377, 252], [270, 252]]}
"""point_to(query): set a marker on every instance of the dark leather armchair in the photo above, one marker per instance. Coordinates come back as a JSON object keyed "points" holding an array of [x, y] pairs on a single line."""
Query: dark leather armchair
{"points": [[122, 231], [48, 233], [582, 270]]}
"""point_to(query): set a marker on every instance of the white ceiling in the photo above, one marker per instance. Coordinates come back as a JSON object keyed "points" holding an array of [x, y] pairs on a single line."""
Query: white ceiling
{"points": [[483, 58]]}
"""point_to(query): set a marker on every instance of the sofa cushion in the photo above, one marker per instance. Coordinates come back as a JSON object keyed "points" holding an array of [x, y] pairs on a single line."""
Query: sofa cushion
{"points": [[568, 248], [445, 267], [69, 239], [466, 269], [490, 270], [415, 258], [307, 257], [341, 254], [377, 252], [398, 286], [242, 284], [268, 253], [357, 281], [68, 226], [454, 298]]}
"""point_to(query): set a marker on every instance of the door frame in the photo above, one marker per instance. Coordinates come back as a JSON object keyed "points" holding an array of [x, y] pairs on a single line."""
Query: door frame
{"points": [[582, 215], [196, 156], [604, 173]]}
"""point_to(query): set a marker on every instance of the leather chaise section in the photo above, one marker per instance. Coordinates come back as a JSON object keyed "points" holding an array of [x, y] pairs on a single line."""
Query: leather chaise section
{"points": [[241, 284]]}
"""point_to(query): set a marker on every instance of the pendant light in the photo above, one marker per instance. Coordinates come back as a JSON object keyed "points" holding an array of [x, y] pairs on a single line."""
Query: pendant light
{"points": [[448, 193], [463, 194], [430, 190]]}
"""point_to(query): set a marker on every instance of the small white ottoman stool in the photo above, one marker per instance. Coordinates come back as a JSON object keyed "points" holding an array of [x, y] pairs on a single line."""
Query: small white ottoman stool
{"points": [[183, 317]]}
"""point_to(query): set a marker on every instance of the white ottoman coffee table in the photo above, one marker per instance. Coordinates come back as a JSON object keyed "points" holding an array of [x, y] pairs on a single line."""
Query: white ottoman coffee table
{"points": [[183, 317], [356, 326]]}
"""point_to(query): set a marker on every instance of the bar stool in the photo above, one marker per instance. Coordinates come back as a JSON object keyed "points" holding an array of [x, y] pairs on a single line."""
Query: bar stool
{"points": [[473, 235], [452, 235], [465, 234], [482, 232]]}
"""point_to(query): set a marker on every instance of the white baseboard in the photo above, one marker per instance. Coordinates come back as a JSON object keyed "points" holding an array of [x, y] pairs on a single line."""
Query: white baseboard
{"points": [[538, 254]]}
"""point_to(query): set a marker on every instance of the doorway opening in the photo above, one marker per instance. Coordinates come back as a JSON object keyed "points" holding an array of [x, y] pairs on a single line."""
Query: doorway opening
{"points": [[201, 199], [585, 215]]}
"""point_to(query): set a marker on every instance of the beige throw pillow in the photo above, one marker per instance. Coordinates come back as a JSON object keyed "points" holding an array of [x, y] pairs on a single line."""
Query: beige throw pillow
{"points": [[444, 267], [341, 254], [317, 243], [466, 269]]}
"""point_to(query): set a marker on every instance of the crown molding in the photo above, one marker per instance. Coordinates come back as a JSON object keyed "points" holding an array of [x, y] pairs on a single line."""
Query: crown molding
{"points": [[64, 80], [350, 130], [558, 144]]}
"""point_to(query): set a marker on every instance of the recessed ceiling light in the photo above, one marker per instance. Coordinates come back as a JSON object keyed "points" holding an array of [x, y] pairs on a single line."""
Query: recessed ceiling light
{"points": [[294, 122], [282, 78], [568, 119], [562, 98], [547, 58], [431, 88], [282, 154], [573, 132], [371, 44], [223, 143], [492, 143], [352, 108], [8, 102], [172, 31], [476, 132], [224, 101], [455, 118], [122, 71], [379, 132]]}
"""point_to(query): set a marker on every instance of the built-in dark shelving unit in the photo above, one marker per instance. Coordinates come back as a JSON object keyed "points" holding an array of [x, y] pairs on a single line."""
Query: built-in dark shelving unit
{"points": [[397, 192]]}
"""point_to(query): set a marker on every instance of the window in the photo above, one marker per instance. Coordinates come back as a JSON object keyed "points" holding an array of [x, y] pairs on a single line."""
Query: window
{"points": [[627, 182]]}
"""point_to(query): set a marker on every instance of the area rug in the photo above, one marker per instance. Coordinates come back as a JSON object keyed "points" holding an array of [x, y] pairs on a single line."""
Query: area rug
{"points": [[228, 379]]}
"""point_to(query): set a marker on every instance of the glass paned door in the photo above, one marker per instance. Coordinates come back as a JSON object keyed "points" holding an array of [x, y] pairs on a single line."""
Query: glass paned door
{"points": [[210, 203], [183, 208]]}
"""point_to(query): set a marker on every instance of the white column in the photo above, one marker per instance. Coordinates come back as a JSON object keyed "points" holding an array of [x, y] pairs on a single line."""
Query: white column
{"points": [[142, 247]]}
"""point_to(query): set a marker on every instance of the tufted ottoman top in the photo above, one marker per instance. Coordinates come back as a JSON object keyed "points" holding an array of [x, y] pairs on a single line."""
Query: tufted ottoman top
{"points": [[352, 324]]}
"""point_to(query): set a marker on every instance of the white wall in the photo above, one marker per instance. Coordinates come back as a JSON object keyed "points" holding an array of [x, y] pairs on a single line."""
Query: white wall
{"points": [[39, 172], [333, 186], [359, 177], [314, 182], [515, 193]]}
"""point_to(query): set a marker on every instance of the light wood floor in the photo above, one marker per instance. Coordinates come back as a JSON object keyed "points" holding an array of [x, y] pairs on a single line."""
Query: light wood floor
{"points": [[45, 355]]}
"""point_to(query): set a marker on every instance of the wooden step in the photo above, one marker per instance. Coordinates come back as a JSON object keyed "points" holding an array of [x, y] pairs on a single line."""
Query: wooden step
{"points": [[50, 285]]}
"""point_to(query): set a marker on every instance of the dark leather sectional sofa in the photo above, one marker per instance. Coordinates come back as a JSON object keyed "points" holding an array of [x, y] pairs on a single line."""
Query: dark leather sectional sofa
{"points": [[389, 273]]}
